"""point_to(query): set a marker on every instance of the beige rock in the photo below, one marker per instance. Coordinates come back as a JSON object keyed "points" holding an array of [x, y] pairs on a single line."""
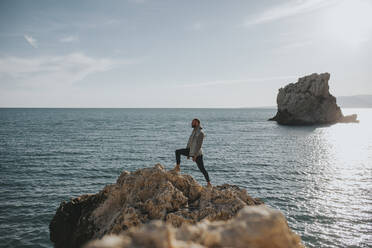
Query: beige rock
{"points": [[253, 226], [139, 197]]}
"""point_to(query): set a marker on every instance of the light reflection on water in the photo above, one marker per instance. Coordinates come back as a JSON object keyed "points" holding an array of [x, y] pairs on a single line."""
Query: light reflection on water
{"points": [[340, 189]]}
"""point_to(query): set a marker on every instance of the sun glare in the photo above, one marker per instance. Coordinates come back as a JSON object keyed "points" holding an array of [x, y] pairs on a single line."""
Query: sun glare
{"points": [[350, 22]]}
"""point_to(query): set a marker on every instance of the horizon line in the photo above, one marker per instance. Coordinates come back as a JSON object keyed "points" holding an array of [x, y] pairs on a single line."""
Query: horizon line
{"points": [[257, 107], [135, 107]]}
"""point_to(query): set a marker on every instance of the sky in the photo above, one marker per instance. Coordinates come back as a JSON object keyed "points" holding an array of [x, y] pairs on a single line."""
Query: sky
{"points": [[147, 53]]}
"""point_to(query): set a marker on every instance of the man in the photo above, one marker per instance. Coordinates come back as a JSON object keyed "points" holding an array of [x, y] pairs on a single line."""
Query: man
{"points": [[194, 149]]}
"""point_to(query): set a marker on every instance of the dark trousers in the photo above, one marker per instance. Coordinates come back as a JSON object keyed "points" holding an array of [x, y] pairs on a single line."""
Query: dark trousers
{"points": [[199, 161]]}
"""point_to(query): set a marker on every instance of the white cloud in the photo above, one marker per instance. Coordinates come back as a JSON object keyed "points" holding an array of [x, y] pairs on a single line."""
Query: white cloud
{"points": [[31, 41], [228, 82], [70, 38], [47, 70], [288, 9]]}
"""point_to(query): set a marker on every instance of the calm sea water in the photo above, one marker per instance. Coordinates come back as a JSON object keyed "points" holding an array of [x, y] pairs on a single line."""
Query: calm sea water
{"points": [[319, 177]]}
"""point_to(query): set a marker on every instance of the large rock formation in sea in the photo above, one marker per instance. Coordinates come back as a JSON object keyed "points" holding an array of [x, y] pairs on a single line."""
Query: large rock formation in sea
{"points": [[252, 227], [308, 102], [142, 196]]}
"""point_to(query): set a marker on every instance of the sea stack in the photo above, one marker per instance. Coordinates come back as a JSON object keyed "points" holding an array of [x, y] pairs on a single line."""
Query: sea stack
{"points": [[308, 102]]}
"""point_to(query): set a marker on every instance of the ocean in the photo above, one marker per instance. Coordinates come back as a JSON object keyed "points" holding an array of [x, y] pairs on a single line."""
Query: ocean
{"points": [[320, 177]]}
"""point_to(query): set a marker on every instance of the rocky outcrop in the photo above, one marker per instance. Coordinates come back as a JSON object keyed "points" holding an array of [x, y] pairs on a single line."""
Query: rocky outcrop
{"points": [[140, 197], [253, 226], [72, 225], [308, 102]]}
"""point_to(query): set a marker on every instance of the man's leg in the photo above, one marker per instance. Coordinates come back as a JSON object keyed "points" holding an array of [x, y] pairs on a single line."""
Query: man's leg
{"points": [[200, 163], [180, 152]]}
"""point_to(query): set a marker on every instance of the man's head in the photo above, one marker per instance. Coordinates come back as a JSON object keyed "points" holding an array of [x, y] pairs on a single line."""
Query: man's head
{"points": [[195, 123]]}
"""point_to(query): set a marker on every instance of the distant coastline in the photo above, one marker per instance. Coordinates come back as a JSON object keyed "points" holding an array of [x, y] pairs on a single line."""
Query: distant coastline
{"points": [[356, 101]]}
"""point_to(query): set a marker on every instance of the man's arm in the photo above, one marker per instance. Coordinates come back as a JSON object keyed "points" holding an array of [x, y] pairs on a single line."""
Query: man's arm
{"points": [[199, 142], [188, 145], [189, 141]]}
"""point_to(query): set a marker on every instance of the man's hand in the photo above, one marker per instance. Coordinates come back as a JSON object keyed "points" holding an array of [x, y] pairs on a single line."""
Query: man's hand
{"points": [[194, 158]]}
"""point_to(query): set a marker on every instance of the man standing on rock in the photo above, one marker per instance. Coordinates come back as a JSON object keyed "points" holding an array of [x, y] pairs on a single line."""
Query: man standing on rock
{"points": [[194, 149]]}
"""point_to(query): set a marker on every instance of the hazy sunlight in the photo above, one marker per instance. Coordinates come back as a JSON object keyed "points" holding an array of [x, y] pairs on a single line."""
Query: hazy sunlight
{"points": [[350, 22]]}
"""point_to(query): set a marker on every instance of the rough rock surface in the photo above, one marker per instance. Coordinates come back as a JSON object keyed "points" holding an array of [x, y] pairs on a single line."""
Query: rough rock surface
{"points": [[139, 197], [253, 226], [308, 102]]}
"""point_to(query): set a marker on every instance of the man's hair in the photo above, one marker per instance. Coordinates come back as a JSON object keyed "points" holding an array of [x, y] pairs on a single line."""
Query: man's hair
{"points": [[196, 119]]}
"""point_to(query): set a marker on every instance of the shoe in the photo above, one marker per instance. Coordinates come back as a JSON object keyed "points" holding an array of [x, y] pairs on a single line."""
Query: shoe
{"points": [[177, 168]]}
